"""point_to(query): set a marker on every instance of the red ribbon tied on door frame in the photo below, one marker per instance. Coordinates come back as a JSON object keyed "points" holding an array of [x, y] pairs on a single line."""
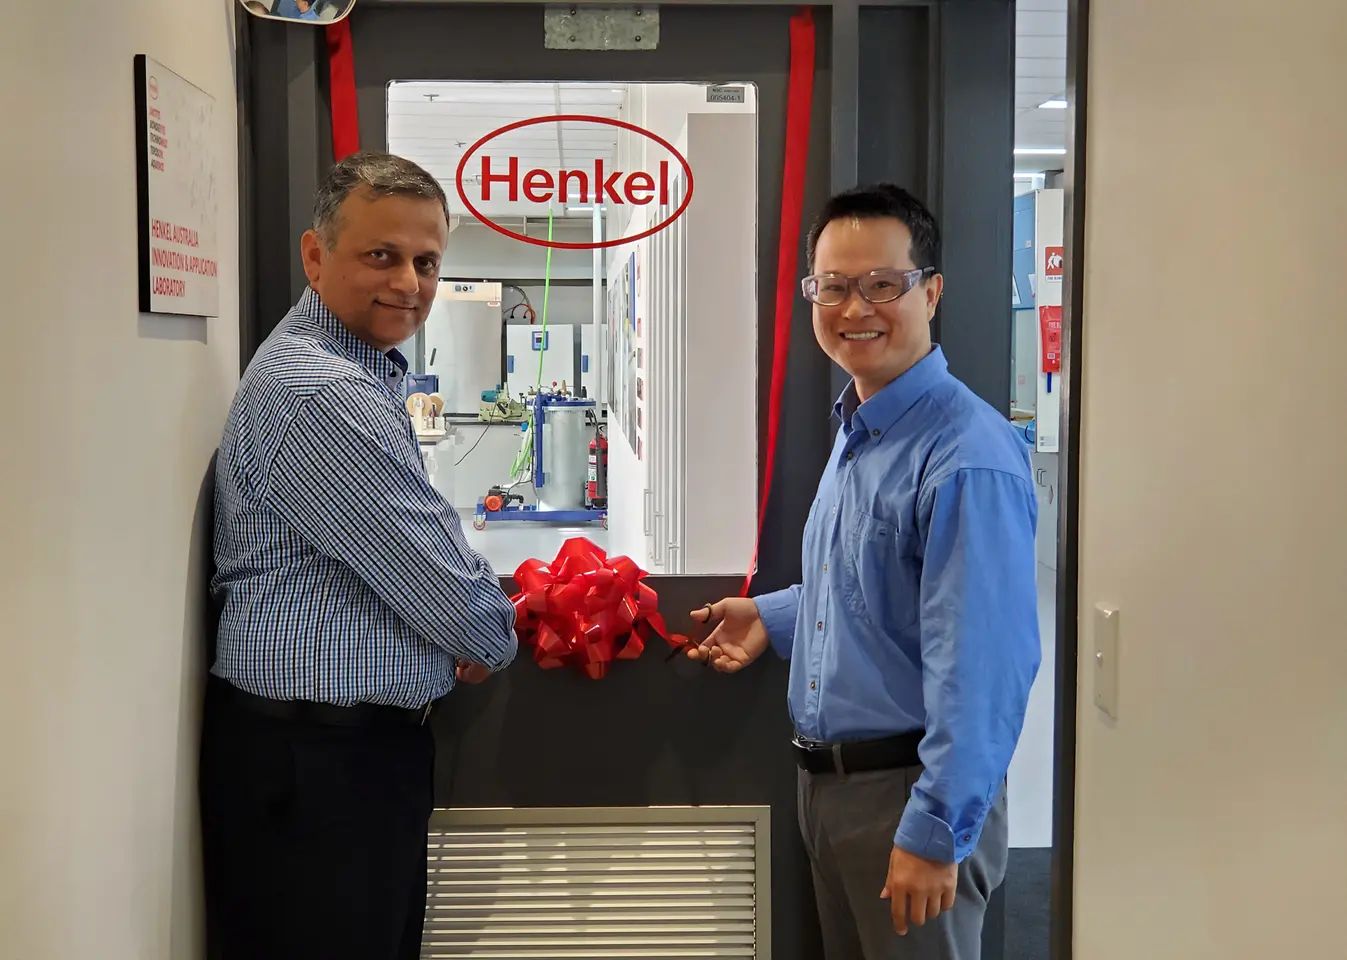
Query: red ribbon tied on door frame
{"points": [[586, 610]]}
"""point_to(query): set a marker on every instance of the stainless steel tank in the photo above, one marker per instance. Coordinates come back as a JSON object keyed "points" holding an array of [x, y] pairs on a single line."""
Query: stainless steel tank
{"points": [[566, 435]]}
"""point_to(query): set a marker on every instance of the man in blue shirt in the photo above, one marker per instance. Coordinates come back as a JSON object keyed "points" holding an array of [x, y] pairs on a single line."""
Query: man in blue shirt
{"points": [[913, 637], [351, 600], [297, 9]]}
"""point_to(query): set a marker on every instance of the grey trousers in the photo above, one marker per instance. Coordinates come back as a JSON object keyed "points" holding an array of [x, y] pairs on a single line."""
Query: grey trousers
{"points": [[848, 822]]}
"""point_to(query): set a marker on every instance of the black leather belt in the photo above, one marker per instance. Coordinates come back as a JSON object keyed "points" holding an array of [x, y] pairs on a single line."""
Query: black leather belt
{"points": [[857, 756], [308, 711]]}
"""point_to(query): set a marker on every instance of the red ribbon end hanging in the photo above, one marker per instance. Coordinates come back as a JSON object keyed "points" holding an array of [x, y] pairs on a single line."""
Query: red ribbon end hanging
{"points": [[341, 89], [799, 107]]}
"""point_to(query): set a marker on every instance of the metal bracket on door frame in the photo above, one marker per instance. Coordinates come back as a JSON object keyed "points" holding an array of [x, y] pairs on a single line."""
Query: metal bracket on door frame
{"points": [[580, 26]]}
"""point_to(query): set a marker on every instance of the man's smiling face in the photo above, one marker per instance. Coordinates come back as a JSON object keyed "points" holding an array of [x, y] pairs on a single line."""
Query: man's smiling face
{"points": [[379, 268], [874, 342]]}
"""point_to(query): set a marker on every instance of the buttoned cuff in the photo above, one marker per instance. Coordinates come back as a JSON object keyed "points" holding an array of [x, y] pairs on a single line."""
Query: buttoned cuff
{"points": [[927, 836], [778, 611]]}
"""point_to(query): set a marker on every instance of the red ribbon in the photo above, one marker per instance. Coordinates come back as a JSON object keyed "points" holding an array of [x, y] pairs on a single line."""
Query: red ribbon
{"points": [[799, 104], [341, 89], [585, 610]]}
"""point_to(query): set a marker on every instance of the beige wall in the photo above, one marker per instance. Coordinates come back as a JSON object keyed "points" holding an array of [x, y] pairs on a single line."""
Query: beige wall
{"points": [[1212, 817], [107, 422]]}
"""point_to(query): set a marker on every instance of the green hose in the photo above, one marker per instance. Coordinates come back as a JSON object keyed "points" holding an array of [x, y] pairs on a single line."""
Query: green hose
{"points": [[547, 290], [524, 457]]}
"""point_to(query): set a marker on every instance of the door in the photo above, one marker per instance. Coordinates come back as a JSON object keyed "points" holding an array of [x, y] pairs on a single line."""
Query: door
{"points": [[748, 45], [718, 43], [927, 102]]}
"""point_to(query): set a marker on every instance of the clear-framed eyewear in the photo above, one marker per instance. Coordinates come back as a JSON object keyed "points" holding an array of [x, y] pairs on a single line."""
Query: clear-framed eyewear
{"points": [[877, 286]]}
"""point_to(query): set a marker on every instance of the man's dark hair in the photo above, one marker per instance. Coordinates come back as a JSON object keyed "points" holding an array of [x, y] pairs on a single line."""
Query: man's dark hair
{"points": [[877, 201], [382, 174]]}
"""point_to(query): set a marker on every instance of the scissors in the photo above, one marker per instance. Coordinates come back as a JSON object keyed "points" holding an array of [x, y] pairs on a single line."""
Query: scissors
{"points": [[697, 636]]}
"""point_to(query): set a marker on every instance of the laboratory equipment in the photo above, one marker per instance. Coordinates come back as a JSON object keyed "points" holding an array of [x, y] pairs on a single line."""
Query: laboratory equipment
{"points": [[596, 489], [426, 412], [538, 357], [461, 342], [498, 406], [558, 436], [420, 383]]}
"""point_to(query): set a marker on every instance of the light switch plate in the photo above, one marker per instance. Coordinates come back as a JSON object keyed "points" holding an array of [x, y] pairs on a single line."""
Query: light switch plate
{"points": [[1106, 659]]}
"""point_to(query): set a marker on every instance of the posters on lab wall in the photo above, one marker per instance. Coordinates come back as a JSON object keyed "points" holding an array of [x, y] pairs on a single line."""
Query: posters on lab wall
{"points": [[629, 352], [609, 347], [621, 352], [614, 358]]}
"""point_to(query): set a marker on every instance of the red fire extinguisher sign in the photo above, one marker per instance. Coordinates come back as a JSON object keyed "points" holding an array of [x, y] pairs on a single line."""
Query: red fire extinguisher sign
{"points": [[1050, 319]]}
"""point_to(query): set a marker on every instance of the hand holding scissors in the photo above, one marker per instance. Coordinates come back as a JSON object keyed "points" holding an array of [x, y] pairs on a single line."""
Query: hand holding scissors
{"points": [[738, 638]]}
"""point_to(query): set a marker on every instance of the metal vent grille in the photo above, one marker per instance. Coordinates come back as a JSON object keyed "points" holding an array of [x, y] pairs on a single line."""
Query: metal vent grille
{"points": [[598, 882]]}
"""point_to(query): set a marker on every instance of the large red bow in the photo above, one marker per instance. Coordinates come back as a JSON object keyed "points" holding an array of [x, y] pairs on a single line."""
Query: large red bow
{"points": [[586, 610]]}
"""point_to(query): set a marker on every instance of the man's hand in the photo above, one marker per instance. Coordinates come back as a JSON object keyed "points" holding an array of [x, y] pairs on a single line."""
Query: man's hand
{"points": [[739, 636], [471, 672], [924, 884]]}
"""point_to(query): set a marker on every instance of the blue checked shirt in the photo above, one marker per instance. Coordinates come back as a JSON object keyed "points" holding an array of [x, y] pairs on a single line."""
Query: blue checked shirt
{"points": [[918, 608], [345, 576]]}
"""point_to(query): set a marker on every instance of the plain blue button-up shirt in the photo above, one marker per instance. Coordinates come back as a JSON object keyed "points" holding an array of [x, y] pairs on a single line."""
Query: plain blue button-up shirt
{"points": [[919, 608]]}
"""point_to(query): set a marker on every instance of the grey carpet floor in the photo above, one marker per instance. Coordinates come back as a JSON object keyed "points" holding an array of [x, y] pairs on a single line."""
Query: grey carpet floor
{"points": [[1028, 887]]}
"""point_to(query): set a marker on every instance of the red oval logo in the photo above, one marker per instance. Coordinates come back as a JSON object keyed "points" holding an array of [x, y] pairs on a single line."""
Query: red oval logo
{"points": [[620, 186]]}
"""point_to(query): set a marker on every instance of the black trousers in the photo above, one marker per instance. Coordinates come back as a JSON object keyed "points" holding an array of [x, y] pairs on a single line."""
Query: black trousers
{"points": [[313, 836]]}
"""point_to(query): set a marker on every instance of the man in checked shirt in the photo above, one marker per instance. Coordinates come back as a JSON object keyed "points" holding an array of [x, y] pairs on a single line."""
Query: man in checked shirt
{"points": [[351, 601]]}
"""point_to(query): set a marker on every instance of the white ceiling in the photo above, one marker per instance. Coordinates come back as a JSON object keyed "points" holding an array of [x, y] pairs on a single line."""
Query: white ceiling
{"points": [[434, 124], [1040, 75]]}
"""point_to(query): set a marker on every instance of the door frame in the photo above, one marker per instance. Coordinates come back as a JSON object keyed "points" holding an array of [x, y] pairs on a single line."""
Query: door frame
{"points": [[302, 54], [1065, 704]]}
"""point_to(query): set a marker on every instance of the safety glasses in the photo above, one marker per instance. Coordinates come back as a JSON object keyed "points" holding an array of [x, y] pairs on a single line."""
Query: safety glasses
{"points": [[877, 286]]}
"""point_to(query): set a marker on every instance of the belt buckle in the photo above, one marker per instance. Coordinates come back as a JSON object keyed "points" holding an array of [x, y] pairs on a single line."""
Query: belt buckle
{"points": [[809, 751]]}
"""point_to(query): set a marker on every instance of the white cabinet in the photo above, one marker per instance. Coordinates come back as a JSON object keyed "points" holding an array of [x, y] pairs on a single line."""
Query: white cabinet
{"points": [[680, 363], [665, 375], [534, 355], [699, 382], [461, 342]]}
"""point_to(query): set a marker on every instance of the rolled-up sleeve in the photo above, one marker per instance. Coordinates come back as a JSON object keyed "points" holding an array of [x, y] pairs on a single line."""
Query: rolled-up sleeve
{"points": [[980, 652], [339, 479]]}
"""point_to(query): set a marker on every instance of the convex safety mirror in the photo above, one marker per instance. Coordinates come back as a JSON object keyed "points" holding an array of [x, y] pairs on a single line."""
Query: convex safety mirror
{"points": [[317, 12]]}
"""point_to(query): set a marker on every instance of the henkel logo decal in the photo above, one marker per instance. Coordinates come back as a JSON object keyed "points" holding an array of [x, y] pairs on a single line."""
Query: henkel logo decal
{"points": [[491, 170]]}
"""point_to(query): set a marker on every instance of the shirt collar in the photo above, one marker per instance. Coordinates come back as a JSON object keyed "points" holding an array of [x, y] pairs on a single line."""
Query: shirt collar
{"points": [[883, 409], [388, 367]]}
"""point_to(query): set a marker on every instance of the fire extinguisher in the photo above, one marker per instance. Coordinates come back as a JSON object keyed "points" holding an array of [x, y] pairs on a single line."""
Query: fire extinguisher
{"points": [[596, 490]]}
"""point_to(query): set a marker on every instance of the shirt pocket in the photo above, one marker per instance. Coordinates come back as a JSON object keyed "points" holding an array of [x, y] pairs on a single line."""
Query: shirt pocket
{"points": [[883, 582]]}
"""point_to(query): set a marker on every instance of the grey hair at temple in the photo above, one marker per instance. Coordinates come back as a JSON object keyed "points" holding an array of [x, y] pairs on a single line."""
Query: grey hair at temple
{"points": [[382, 175]]}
